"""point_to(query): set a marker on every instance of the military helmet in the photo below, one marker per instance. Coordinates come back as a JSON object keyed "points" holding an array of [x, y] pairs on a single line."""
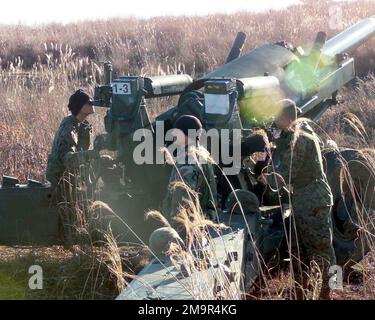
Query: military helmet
{"points": [[161, 239], [249, 202]]}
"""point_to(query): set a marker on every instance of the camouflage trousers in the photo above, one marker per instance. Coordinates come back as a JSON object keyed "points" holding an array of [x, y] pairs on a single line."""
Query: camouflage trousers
{"points": [[66, 199], [312, 245], [71, 207]]}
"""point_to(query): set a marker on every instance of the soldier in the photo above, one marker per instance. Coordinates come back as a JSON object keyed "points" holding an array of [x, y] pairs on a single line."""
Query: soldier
{"points": [[73, 141], [67, 163], [298, 161], [198, 177]]}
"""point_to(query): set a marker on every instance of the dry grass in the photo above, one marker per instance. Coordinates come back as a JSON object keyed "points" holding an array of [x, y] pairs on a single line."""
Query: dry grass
{"points": [[41, 66], [358, 286], [196, 43], [66, 274], [360, 102]]}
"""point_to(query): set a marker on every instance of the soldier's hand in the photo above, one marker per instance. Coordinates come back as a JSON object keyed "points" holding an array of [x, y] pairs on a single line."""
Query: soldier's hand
{"points": [[101, 142]]}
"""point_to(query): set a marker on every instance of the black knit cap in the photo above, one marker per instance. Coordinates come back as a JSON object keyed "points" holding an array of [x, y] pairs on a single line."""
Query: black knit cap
{"points": [[77, 100], [186, 122]]}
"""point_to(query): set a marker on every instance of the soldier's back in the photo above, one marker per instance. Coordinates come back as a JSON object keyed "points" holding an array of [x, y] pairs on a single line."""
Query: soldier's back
{"points": [[311, 182], [66, 136]]}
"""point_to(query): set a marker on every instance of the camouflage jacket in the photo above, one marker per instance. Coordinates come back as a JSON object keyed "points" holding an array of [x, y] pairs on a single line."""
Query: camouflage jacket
{"points": [[200, 178], [298, 160], [69, 147]]}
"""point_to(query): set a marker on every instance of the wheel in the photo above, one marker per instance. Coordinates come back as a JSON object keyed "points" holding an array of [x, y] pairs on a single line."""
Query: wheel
{"points": [[351, 176]]}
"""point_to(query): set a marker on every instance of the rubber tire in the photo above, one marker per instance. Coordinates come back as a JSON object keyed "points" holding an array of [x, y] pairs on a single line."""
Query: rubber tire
{"points": [[350, 249]]}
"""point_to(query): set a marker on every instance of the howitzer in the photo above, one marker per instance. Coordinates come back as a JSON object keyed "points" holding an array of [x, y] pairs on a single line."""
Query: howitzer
{"points": [[263, 76], [241, 95]]}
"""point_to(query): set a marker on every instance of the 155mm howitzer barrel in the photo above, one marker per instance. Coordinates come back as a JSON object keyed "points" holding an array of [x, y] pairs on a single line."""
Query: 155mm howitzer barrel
{"points": [[272, 59], [351, 38]]}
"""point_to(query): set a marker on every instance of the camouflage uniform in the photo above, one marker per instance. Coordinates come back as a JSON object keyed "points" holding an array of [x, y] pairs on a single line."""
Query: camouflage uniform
{"points": [[298, 160], [66, 170], [203, 183], [70, 148]]}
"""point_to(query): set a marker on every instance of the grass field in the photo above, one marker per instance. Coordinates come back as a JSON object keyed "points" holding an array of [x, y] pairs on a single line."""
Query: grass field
{"points": [[41, 66]]}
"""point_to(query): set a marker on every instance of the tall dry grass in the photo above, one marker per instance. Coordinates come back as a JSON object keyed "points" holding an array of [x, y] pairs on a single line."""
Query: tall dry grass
{"points": [[42, 65], [197, 43]]}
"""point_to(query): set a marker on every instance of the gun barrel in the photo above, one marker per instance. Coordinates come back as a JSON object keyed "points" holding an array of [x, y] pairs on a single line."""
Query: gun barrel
{"points": [[351, 38], [237, 46]]}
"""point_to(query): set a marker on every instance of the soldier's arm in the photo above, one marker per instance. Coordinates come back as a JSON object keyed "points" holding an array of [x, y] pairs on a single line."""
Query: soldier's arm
{"points": [[69, 154], [67, 147], [292, 163]]}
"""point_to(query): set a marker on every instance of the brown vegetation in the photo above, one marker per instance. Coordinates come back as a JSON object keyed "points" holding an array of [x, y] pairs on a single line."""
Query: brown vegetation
{"points": [[41, 66]]}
